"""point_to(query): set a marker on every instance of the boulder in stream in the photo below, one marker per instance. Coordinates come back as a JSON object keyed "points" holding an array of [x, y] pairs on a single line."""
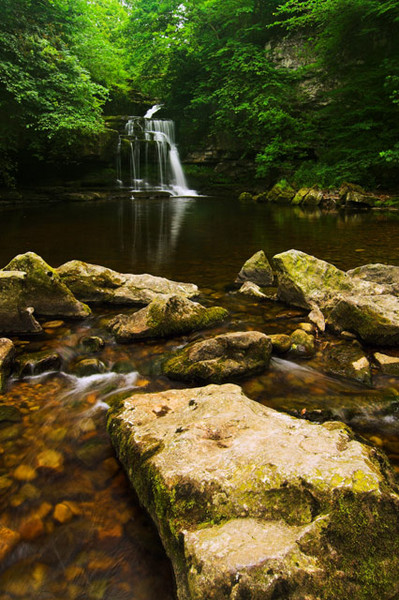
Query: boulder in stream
{"points": [[358, 306], [44, 290], [15, 315], [385, 275], [165, 316], [252, 503], [256, 269], [97, 284], [221, 358]]}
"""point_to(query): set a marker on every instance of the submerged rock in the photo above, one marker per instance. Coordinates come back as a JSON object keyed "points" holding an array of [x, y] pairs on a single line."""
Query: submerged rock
{"points": [[88, 366], [44, 290], [165, 316], [281, 342], [35, 363], [7, 353], [347, 360], [257, 269], [93, 283], [251, 503], [221, 358], [15, 316]]}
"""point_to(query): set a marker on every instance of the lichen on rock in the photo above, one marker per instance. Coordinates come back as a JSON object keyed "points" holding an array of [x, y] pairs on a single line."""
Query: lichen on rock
{"points": [[165, 316], [252, 503], [222, 358]]}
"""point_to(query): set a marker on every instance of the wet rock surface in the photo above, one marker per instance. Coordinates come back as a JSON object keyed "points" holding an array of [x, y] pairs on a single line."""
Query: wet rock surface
{"points": [[7, 353], [346, 359], [44, 290], [163, 317], [256, 269], [15, 316], [359, 306], [312, 501], [222, 358], [94, 283]]}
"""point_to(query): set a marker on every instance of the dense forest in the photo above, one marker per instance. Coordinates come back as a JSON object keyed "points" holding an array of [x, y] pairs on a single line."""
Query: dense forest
{"points": [[306, 89]]}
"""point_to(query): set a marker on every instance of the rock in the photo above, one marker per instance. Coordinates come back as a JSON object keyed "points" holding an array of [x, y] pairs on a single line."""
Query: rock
{"points": [[389, 365], [314, 197], [359, 199], [347, 360], [281, 343], [35, 363], [53, 324], [300, 195], [261, 198], [96, 284], [348, 303], [164, 317], [15, 316], [304, 280], [221, 358], [302, 344], [44, 289], [62, 513], [252, 290], [92, 343], [25, 473], [307, 327], [245, 197], [385, 275], [257, 269], [50, 460], [317, 318], [375, 319], [8, 540], [31, 529], [7, 353], [10, 413], [89, 366], [282, 192], [252, 503]]}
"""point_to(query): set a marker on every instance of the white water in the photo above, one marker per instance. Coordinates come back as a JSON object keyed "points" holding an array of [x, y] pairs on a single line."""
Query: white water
{"points": [[152, 142]]}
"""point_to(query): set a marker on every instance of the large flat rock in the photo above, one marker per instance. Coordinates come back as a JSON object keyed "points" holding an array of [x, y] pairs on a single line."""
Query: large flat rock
{"points": [[15, 315], [251, 503], [94, 283]]}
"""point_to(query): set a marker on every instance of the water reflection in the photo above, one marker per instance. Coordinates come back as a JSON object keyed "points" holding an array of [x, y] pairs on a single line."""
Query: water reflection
{"points": [[149, 235]]}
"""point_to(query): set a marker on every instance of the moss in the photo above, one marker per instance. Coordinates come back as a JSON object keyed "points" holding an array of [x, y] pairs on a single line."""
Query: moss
{"points": [[245, 197], [168, 319]]}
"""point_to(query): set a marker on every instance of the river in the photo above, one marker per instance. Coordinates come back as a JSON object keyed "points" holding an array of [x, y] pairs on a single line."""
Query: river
{"points": [[82, 532]]}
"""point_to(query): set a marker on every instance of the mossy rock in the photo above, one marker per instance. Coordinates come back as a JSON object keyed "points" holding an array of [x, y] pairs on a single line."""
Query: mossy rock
{"points": [[252, 503], [282, 192], [43, 289], [163, 317], [222, 358], [245, 197], [257, 269]]}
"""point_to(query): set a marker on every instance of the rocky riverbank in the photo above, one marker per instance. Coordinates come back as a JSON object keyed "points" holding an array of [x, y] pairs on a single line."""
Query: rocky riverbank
{"points": [[277, 505]]}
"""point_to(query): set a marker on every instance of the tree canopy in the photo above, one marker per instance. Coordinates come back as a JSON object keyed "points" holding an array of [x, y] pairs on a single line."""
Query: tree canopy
{"points": [[308, 89]]}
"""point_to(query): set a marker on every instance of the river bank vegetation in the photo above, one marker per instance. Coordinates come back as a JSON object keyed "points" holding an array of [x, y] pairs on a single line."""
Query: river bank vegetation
{"points": [[304, 90]]}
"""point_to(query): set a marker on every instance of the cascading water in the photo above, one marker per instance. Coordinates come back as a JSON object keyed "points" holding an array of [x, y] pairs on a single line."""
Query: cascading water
{"points": [[154, 161]]}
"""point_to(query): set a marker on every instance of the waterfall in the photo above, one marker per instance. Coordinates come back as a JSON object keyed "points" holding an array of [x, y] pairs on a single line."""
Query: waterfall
{"points": [[154, 162]]}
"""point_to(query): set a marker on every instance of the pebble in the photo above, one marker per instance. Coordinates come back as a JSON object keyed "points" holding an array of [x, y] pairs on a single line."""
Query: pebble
{"points": [[53, 324], [8, 540], [62, 513], [31, 529], [51, 460], [25, 473]]}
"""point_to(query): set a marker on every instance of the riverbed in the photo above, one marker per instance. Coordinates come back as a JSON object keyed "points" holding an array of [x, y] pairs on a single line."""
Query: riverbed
{"points": [[82, 532]]}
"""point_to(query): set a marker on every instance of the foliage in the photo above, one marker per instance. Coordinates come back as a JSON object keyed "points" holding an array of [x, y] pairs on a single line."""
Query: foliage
{"points": [[52, 87]]}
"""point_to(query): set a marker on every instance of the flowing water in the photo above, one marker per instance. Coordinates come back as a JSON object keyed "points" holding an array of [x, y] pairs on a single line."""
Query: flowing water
{"points": [[82, 533]]}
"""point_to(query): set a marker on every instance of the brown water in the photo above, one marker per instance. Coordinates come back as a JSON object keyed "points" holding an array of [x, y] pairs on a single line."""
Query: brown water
{"points": [[82, 532]]}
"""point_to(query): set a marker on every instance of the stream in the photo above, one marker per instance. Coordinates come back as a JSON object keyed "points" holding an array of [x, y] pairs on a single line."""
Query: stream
{"points": [[83, 534]]}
